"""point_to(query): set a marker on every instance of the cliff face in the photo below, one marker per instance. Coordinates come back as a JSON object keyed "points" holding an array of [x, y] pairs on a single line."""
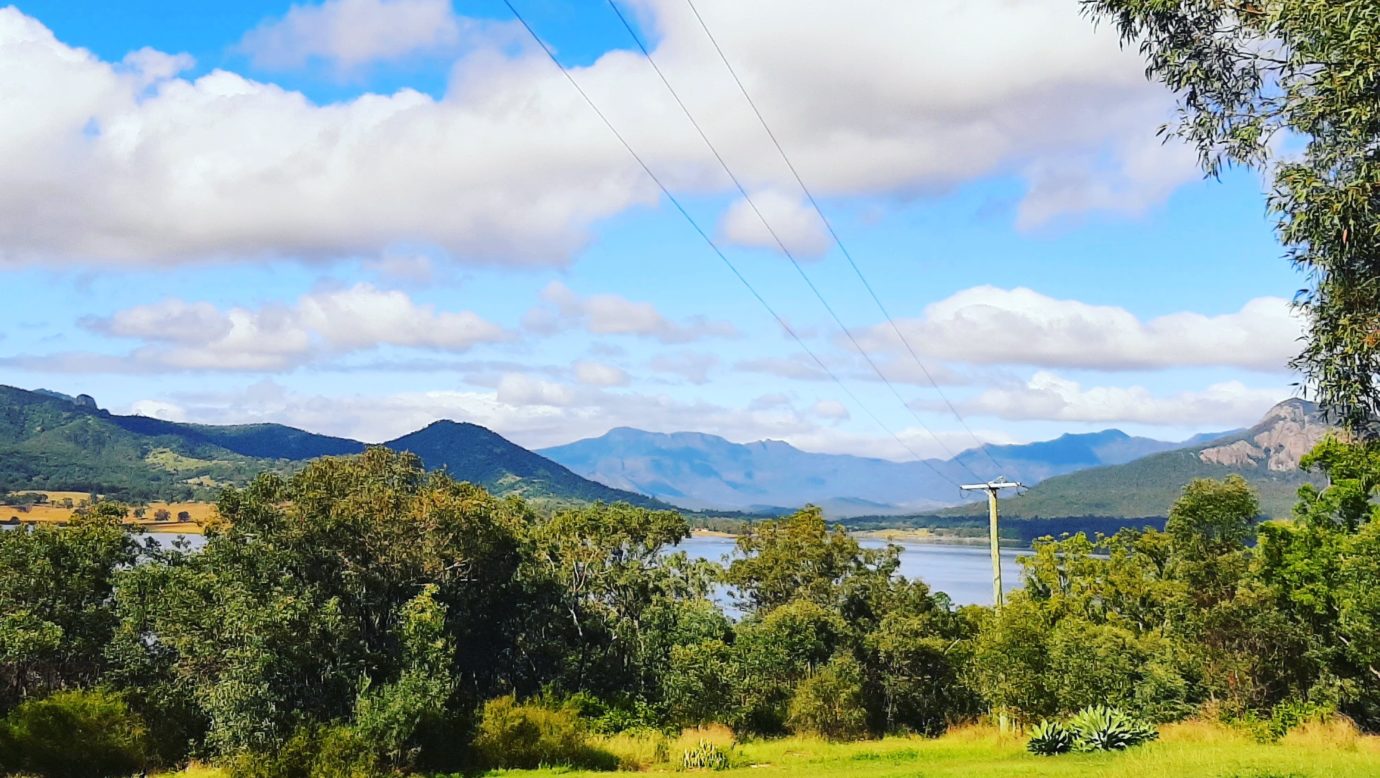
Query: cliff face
{"points": [[1277, 442]]}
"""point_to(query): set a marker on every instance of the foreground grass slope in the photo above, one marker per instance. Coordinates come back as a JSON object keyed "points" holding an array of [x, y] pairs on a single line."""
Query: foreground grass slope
{"points": [[1189, 750]]}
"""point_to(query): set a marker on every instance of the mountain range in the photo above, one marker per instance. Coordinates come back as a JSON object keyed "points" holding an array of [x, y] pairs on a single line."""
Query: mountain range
{"points": [[695, 470], [55, 442], [1267, 455], [58, 442]]}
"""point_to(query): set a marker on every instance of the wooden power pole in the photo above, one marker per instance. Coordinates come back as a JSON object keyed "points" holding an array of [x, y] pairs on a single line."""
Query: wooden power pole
{"points": [[992, 487]]}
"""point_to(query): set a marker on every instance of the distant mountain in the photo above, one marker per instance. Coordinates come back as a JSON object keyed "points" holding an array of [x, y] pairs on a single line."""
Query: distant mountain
{"points": [[1267, 455], [53, 441], [696, 470], [1031, 463], [479, 455]]}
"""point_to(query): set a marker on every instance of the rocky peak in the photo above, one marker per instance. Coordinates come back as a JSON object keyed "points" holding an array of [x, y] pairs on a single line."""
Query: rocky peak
{"points": [[1277, 442]]}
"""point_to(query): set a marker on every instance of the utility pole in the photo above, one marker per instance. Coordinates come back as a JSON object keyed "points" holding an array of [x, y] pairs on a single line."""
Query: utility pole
{"points": [[992, 487]]}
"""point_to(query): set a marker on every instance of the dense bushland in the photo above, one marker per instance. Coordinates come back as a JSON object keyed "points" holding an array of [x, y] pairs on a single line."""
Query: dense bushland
{"points": [[364, 617]]}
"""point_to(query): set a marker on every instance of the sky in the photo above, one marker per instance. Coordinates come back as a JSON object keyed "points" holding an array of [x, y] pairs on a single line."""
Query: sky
{"points": [[360, 216]]}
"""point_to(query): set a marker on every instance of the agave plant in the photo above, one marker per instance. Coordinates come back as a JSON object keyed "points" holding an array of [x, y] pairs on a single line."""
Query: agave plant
{"points": [[1100, 728], [1049, 738], [704, 756]]}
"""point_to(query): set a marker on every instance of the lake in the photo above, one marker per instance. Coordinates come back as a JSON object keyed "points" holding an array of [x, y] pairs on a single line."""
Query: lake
{"points": [[964, 572]]}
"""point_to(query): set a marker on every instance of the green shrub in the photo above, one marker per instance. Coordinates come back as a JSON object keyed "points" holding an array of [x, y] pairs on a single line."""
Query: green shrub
{"points": [[704, 756], [528, 736], [313, 751], [1049, 738], [1100, 728], [74, 734], [830, 702]]}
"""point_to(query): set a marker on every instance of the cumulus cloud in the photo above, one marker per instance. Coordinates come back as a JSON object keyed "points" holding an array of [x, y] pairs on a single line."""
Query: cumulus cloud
{"points": [[201, 336], [989, 325], [611, 314], [127, 162], [352, 33], [415, 269], [788, 219], [1142, 176], [1048, 396], [832, 410], [600, 374], [518, 389]]}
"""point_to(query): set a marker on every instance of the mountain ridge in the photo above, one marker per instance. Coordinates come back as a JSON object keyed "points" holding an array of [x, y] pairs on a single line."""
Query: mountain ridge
{"points": [[1266, 454], [699, 470], [52, 441]]}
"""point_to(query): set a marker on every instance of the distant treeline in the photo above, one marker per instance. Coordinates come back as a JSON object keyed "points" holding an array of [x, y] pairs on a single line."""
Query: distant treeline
{"points": [[1025, 531], [1015, 530]]}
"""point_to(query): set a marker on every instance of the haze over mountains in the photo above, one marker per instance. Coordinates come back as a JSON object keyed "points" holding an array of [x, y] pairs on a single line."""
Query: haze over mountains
{"points": [[695, 470], [53, 441]]}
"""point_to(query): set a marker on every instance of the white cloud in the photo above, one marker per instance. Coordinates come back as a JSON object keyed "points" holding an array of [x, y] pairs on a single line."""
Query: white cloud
{"points": [[352, 33], [1142, 176], [201, 336], [124, 162], [171, 320], [517, 389], [101, 168], [611, 314], [797, 226], [831, 410], [600, 374], [413, 269], [1048, 396], [158, 409], [988, 325]]}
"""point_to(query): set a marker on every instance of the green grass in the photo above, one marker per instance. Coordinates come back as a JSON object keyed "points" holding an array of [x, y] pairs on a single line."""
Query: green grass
{"points": [[1184, 751]]}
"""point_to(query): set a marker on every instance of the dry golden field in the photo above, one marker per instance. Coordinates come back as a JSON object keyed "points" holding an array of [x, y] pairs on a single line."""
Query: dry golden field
{"points": [[54, 512]]}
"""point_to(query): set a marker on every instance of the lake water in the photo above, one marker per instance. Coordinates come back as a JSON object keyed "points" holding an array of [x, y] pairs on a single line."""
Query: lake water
{"points": [[964, 572]]}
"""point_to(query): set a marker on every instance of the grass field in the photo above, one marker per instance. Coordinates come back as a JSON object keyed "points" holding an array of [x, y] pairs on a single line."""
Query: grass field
{"points": [[53, 511], [1184, 751]]}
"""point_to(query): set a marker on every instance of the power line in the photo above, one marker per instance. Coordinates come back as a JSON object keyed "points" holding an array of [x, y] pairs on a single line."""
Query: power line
{"points": [[834, 234], [777, 238], [712, 244]]}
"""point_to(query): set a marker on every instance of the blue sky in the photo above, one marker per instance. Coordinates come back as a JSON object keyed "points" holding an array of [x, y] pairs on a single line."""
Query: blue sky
{"points": [[358, 216]]}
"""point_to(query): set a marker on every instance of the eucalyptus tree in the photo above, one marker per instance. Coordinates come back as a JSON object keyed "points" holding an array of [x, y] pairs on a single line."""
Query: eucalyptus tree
{"points": [[1291, 87]]}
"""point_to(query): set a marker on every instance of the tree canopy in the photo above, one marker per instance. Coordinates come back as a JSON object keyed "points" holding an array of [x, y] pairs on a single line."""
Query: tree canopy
{"points": [[1291, 87]]}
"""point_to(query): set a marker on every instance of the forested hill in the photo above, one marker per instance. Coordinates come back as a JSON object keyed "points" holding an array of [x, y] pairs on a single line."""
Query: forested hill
{"points": [[51, 441], [503, 467], [1266, 455]]}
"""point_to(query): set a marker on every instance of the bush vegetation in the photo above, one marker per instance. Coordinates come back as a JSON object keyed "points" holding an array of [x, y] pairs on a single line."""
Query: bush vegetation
{"points": [[366, 618], [74, 734]]}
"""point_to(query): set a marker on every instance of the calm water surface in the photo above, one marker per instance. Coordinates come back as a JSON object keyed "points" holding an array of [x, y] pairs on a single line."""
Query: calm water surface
{"points": [[961, 571]]}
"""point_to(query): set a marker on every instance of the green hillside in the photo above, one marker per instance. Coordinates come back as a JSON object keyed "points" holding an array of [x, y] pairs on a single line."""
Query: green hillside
{"points": [[1266, 455], [479, 455], [47, 442], [50, 441], [1146, 487]]}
